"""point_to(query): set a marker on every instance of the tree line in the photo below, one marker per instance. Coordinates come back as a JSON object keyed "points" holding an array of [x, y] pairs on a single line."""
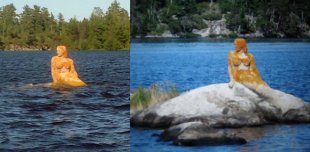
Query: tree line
{"points": [[38, 29], [273, 18]]}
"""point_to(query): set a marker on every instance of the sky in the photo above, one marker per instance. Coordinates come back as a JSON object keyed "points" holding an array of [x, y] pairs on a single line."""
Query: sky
{"points": [[69, 8]]}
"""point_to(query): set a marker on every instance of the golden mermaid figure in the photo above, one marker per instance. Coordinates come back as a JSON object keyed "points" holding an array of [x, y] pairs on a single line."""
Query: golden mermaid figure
{"points": [[63, 71], [242, 69]]}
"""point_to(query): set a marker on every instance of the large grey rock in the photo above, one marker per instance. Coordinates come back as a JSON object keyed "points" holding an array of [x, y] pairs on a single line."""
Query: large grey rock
{"points": [[197, 117], [220, 106]]}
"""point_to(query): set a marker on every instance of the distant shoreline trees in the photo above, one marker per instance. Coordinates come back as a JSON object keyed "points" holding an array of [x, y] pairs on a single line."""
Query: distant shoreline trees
{"points": [[38, 29], [272, 18]]}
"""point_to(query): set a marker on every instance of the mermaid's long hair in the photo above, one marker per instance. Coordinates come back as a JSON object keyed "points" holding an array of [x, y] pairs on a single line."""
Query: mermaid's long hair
{"points": [[241, 45]]}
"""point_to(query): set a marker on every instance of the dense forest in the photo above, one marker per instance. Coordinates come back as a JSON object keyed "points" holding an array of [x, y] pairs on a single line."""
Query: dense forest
{"points": [[226, 18], [38, 29]]}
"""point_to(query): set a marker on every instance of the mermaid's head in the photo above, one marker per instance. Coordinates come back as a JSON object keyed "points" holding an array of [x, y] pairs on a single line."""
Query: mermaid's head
{"points": [[240, 44], [62, 51]]}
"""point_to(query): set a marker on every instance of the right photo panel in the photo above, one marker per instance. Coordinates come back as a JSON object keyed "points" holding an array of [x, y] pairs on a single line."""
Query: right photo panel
{"points": [[219, 75]]}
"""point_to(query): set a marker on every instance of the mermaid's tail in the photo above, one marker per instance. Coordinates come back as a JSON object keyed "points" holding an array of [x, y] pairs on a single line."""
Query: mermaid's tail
{"points": [[278, 98], [68, 81]]}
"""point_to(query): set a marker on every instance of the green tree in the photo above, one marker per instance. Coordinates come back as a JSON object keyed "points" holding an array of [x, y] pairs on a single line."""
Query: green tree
{"points": [[96, 37], [27, 25], [37, 28], [116, 28], [9, 28]]}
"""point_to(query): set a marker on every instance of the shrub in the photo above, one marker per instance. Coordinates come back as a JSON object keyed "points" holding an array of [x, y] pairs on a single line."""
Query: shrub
{"points": [[142, 98]]}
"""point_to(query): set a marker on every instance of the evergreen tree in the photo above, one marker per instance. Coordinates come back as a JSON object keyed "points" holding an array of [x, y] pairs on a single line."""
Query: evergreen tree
{"points": [[37, 28], [116, 35]]}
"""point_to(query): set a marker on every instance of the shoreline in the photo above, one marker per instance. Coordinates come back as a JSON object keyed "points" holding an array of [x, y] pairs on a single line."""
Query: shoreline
{"points": [[208, 39]]}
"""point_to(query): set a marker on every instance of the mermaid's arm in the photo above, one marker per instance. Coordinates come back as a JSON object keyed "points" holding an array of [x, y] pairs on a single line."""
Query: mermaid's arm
{"points": [[76, 81], [72, 69], [54, 73], [230, 70]]}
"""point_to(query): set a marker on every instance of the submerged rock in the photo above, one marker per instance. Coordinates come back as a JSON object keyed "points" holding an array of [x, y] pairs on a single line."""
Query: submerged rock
{"points": [[197, 116], [196, 133]]}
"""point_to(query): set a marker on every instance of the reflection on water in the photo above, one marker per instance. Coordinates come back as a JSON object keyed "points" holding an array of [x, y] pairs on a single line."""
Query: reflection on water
{"points": [[283, 65], [34, 117]]}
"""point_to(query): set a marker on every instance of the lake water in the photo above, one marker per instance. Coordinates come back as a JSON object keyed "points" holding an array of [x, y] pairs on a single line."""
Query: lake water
{"points": [[92, 118], [190, 64]]}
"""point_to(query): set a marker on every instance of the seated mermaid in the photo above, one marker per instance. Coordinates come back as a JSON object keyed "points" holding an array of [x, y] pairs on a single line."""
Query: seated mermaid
{"points": [[242, 69], [63, 70]]}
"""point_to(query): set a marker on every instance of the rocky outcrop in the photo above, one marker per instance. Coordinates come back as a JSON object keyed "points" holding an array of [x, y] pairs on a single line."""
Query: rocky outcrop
{"points": [[217, 27], [307, 33], [219, 106]]}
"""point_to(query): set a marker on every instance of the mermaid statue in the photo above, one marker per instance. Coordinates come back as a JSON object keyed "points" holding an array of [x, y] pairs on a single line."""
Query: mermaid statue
{"points": [[242, 69], [63, 71]]}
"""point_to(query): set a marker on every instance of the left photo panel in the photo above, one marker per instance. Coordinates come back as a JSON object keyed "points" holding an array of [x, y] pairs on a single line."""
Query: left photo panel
{"points": [[64, 75]]}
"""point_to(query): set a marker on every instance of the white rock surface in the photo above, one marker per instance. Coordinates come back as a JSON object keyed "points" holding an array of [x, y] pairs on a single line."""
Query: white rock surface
{"points": [[218, 104], [197, 117], [211, 100]]}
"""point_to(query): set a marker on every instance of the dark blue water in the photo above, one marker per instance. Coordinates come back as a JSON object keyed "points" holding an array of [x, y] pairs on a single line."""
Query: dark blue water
{"points": [[283, 65], [92, 118]]}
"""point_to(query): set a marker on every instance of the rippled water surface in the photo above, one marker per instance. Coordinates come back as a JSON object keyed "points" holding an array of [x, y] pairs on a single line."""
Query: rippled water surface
{"points": [[38, 118], [283, 65]]}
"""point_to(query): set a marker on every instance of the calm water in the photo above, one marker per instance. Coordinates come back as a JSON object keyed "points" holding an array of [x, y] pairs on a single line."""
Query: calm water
{"points": [[93, 118], [283, 65]]}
